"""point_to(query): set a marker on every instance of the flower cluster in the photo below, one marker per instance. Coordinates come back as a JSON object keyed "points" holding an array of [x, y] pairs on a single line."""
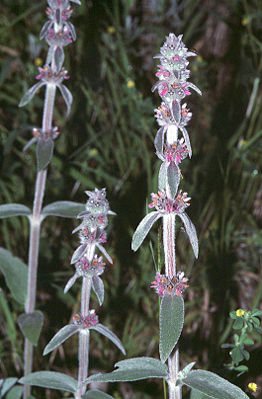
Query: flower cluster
{"points": [[166, 205], [88, 321], [85, 268], [170, 286]]}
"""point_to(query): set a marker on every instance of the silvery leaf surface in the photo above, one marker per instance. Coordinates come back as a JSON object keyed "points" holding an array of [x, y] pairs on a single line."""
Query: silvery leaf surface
{"points": [[44, 153], [191, 232], [159, 142], [15, 393], [29, 143], [15, 274], [70, 283], [144, 363], [30, 94], [162, 176], [126, 375], [194, 394], [171, 320], [110, 335], [6, 384], [79, 252], [8, 210], [65, 209], [176, 111], [60, 337], [45, 29], [143, 229], [67, 96], [95, 394], [105, 253], [187, 140], [173, 178], [50, 379], [98, 287], [31, 325], [194, 87], [72, 30], [212, 385], [59, 57], [78, 2]]}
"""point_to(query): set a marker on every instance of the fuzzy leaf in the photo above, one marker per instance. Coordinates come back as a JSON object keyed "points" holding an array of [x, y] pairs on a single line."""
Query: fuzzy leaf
{"points": [[45, 29], [173, 178], [98, 287], [67, 96], [29, 143], [6, 384], [60, 337], [44, 153], [71, 30], [110, 335], [198, 395], [187, 141], [15, 393], [94, 394], [59, 57], [162, 176], [8, 210], [30, 94], [70, 283], [212, 385], [78, 2], [15, 273], [65, 209], [191, 232], [159, 142], [50, 379], [105, 253], [31, 325], [171, 320], [176, 111], [143, 363], [143, 229], [79, 252], [126, 375]]}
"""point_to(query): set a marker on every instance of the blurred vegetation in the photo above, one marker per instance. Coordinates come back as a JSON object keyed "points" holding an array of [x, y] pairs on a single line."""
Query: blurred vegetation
{"points": [[108, 142]]}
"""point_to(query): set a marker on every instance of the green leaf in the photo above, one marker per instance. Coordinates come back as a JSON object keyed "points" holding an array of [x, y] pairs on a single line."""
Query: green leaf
{"points": [[197, 395], [94, 394], [8, 210], [238, 324], [15, 273], [143, 229], [50, 379], [212, 385], [171, 320], [61, 337], [65, 209], [7, 384], [98, 287], [44, 153], [144, 363], [126, 375], [31, 325], [237, 355], [15, 393]]}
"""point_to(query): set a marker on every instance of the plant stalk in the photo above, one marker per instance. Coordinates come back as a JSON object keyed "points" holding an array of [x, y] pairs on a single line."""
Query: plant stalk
{"points": [[35, 225], [170, 270]]}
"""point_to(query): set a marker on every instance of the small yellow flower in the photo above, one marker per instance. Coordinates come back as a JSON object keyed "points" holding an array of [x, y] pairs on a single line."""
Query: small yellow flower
{"points": [[252, 386], [130, 84], [111, 30], [38, 61], [194, 68], [93, 151], [199, 59], [245, 21], [240, 312], [242, 143]]}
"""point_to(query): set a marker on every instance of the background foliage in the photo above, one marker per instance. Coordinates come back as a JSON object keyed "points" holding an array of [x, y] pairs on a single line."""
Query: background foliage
{"points": [[108, 142]]}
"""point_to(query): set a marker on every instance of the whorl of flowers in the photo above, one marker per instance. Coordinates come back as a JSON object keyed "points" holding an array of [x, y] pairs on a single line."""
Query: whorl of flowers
{"points": [[171, 286], [88, 321]]}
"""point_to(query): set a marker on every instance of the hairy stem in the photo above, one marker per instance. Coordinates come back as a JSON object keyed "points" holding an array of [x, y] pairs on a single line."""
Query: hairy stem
{"points": [[170, 270], [83, 350], [35, 225]]}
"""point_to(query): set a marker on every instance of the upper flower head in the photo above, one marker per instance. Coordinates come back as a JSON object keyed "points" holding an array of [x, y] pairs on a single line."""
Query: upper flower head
{"points": [[97, 202], [165, 285], [166, 205], [86, 268], [47, 75]]}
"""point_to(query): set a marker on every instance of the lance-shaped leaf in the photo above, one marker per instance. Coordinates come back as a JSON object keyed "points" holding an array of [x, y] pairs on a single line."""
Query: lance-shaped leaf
{"points": [[15, 273], [67, 96], [60, 337], [105, 253], [44, 153], [133, 370], [162, 176], [171, 320], [79, 252], [30, 142], [30, 94], [15, 393], [212, 385], [6, 384], [78, 2], [159, 142], [143, 229], [95, 394], [198, 395], [59, 57], [50, 379], [173, 178], [191, 232], [98, 287], [187, 140], [71, 30], [45, 29], [70, 283], [176, 111], [65, 209], [31, 325], [8, 210], [110, 335]]}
